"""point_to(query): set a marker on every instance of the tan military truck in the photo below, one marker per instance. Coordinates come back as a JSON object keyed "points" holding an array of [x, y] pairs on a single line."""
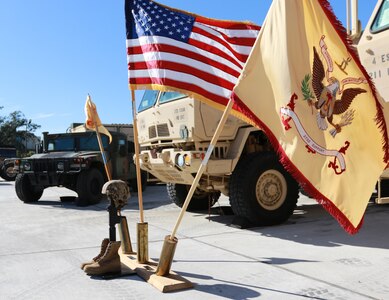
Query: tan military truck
{"points": [[373, 49], [175, 131]]}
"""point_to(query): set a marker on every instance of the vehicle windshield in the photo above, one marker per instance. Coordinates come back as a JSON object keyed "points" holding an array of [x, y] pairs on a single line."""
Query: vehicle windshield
{"points": [[90, 143], [381, 21], [170, 96], [148, 100], [72, 143]]}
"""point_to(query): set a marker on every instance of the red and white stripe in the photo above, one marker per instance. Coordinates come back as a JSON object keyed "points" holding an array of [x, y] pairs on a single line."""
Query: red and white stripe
{"points": [[209, 64]]}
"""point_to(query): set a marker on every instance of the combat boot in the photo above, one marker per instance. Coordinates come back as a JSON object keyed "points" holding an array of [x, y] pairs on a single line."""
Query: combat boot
{"points": [[108, 263], [103, 247]]}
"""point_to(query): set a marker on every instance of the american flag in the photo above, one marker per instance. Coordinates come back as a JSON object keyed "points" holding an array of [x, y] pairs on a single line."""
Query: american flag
{"points": [[167, 48]]}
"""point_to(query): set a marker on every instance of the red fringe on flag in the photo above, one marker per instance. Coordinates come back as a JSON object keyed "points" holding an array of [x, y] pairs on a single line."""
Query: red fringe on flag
{"points": [[288, 165], [294, 171]]}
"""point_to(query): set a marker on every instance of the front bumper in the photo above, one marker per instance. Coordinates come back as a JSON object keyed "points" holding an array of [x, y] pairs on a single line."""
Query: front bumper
{"points": [[180, 167], [50, 172]]}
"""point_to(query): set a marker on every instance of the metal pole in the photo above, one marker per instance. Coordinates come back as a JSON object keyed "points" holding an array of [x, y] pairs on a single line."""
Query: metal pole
{"points": [[355, 20], [348, 16]]}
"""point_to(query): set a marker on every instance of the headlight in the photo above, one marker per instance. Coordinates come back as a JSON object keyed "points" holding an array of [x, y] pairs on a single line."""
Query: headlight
{"points": [[180, 160], [27, 166], [60, 166]]}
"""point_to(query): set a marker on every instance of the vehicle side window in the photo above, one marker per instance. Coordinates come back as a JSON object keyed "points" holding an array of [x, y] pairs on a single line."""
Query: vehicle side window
{"points": [[170, 96], [381, 21]]}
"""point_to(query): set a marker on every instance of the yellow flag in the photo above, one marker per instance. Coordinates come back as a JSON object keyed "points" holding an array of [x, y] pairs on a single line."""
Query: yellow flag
{"points": [[306, 88], [92, 118]]}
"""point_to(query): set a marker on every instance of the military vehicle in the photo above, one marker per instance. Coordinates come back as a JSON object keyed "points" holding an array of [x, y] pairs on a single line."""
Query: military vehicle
{"points": [[373, 49], [175, 132], [74, 161]]}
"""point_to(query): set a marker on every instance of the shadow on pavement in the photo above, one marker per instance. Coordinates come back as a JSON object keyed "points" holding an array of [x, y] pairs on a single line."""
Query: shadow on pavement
{"points": [[313, 225], [153, 197], [71, 205], [236, 290]]}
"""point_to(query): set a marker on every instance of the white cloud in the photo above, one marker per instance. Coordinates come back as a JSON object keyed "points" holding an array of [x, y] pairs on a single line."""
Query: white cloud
{"points": [[43, 116]]}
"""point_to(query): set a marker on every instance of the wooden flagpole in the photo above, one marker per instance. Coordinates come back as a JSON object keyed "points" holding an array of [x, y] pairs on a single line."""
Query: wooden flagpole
{"points": [[136, 142], [91, 112], [170, 243], [102, 151], [123, 227], [142, 226], [203, 165]]}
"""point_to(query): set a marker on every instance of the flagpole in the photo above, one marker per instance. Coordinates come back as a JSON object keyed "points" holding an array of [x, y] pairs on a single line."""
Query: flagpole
{"points": [[136, 142], [170, 243], [203, 165], [142, 226], [102, 151]]}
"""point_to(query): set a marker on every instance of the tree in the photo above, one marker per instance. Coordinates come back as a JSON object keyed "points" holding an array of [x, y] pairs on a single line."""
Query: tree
{"points": [[9, 133]]}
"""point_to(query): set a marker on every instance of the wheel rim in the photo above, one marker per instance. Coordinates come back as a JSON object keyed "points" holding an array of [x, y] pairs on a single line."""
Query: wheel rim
{"points": [[270, 190]]}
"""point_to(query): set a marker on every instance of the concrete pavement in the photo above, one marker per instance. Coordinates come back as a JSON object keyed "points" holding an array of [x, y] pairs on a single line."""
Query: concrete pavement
{"points": [[308, 257]]}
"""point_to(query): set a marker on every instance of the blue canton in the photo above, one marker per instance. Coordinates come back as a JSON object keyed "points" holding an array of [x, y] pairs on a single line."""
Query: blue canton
{"points": [[153, 19]]}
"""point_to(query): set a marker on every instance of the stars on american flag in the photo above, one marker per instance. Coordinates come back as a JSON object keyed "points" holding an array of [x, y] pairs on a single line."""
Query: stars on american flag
{"points": [[153, 19]]}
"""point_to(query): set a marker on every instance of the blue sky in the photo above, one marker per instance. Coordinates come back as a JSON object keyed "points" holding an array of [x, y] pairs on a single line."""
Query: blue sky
{"points": [[53, 53]]}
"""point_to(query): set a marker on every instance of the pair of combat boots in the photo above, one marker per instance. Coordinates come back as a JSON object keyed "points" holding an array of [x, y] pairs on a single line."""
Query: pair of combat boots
{"points": [[106, 262]]}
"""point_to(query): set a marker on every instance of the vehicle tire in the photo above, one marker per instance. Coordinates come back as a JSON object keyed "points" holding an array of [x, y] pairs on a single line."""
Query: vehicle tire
{"points": [[7, 172], [25, 191], [89, 185], [134, 182], [262, 191], [201, 200]]}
